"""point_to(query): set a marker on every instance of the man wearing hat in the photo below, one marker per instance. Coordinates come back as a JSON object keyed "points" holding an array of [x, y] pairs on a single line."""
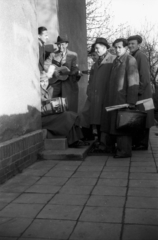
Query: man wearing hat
{"points": [[98, 82], [122, 89], [69, 86], [144, 89]]}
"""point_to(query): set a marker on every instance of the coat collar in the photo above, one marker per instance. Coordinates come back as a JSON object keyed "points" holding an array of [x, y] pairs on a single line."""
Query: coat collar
{"points": [[134, 53], [40, 42], [105, 59]]}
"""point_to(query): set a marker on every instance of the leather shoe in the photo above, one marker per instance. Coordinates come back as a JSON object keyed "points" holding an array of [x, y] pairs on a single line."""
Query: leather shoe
{"points": [[140, 147]]}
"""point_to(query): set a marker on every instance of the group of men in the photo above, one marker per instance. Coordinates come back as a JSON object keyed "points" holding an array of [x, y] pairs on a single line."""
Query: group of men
{"points": [[65, 84], [114, 79]]}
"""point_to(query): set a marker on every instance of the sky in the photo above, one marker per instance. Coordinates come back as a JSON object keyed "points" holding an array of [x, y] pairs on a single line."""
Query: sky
{"points": [[134, 12]]}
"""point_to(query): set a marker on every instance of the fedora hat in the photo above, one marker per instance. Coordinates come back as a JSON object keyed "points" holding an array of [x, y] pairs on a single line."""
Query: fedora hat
{"points": [[62, 39], [135, 37], [102, 41]]}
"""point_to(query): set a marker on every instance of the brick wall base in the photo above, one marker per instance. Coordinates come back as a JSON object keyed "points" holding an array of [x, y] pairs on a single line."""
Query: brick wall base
{"points": [[19, 153]]}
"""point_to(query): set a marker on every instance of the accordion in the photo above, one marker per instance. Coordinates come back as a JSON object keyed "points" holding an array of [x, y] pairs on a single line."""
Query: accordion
{"points": [[55, 106]]}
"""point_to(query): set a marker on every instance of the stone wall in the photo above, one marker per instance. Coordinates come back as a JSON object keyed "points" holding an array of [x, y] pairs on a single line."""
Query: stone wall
{"points": [[19, 153], [20, 103], [19, 74]]}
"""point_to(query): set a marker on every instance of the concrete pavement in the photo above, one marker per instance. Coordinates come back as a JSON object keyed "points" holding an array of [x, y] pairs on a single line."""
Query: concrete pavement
{"points": [[100, 198]]}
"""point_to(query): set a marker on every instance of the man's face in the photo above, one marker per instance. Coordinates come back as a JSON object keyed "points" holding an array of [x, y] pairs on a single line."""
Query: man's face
{"points": [[44, 82], [44, 36], [120, 49], [63, 47], [133, 45], [94, 56], [100, 49]]}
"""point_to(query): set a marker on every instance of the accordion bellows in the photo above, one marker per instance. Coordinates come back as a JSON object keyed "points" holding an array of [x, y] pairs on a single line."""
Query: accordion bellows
{"points": [[130, 120], [55, 106]]}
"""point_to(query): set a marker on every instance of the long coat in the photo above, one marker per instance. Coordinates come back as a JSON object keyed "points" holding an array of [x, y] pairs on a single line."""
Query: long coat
{"points": [[69, 87], [99, 77], [144, 85], [122, 88]]}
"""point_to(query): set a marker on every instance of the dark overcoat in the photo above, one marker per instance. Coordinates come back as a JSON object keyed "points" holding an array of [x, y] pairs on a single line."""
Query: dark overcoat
{"points": [[122, 88], [69, 87], [99, 77], [144, 85]]}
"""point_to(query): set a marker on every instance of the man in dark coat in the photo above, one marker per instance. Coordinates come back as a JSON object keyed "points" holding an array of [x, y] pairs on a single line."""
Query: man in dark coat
{"points": [[69, 86], [123, 88], [99, 76], [44, 49], [145, 92], [42, 39]]}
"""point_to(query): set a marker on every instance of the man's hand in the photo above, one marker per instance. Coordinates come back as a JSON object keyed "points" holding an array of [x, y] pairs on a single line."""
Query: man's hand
{"points": [[56, 73], [131, 106]]}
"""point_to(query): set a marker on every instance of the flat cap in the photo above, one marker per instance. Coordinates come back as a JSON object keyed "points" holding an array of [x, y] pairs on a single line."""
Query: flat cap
{"points": [[135, 37], [102, 41]]}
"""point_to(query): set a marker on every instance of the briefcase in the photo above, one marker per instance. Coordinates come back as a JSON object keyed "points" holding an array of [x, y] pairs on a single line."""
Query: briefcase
{"points": [[130, 120]]}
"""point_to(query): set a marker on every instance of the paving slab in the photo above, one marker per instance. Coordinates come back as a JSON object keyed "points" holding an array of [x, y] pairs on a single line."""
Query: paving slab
{"points": [[116, 169], [143, 192], [143, 183], [85, 174], [69, 163], [143, 169], [90, 168], [102, 214], [57, 173], [81, 182], [143, 164], [23, 180], [76, 190], [34, 172], [112, 182], [33, 198], [65, 167], [59, 181], [106, 201], [110, 191], [96, 231], [144, 176], [13, 227], [96, 159], [13, 188], [47, 164], [63, 212], [2, 205], [66, 199], [141, 202], [118, 163], [141, 216], [45, 188], [16, 210], [8, 197], [8, 238], [140, 232], [114, 175], [57, 229]]}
